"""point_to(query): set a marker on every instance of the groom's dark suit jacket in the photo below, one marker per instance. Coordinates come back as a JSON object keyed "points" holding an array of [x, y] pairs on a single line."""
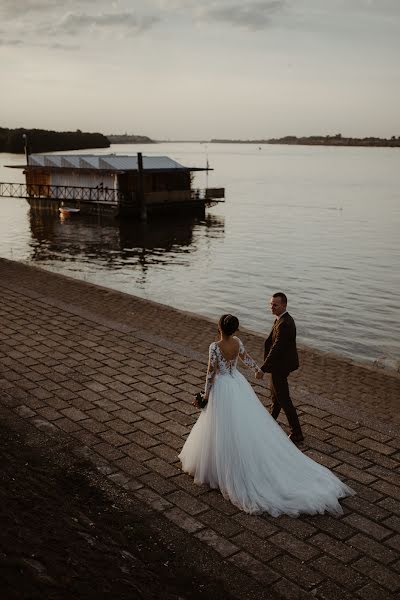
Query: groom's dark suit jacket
{"points": [[280, 352]]}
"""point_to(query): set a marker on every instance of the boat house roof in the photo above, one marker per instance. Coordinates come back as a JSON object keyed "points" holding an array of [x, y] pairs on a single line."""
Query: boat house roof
{"points": [[106, 162]]}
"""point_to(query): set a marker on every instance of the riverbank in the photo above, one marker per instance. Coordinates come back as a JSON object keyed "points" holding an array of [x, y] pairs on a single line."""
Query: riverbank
{"points": [[106, 381]]}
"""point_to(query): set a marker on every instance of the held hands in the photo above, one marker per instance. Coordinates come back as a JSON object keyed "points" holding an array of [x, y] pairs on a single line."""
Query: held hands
{"points": [[259, 374]]}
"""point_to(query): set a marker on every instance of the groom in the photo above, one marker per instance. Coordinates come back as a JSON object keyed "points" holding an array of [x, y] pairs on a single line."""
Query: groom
{"points": [[280, 359]]}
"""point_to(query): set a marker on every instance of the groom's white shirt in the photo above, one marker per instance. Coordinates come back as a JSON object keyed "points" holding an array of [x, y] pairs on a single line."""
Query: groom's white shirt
{"points": [[281, 315]]}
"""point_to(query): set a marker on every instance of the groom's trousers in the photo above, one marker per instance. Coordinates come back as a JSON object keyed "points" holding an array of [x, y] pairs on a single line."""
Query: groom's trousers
{"points": [[281, 400]]}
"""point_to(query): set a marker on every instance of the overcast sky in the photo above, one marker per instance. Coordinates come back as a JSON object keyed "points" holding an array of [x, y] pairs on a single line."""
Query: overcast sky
{"points": [[200, 69]]}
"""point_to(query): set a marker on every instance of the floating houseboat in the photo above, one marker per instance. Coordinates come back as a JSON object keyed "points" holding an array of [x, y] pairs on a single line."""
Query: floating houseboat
{"points": [[111, 184]]}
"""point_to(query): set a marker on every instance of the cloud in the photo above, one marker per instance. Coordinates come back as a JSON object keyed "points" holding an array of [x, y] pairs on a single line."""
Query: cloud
{"points": [[75, 23], [249, 15]]}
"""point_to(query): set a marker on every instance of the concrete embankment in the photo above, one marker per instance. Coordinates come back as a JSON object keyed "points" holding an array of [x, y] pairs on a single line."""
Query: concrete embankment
{"points": [[113, 375]]}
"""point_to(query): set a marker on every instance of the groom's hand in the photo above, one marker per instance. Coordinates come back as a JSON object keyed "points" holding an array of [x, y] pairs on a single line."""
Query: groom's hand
{"points": [[259, 374]]}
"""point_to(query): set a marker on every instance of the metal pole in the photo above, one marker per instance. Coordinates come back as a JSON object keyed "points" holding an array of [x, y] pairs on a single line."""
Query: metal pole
{"points": [[142, 197], [26, 147]]}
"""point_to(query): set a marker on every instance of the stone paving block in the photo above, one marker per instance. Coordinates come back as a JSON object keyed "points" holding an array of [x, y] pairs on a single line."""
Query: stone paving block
{"points": [[289, 543], [365, 492], [176, 428], [222, 524], [335, 527], [319, 434], [125, 415], [41, 393], [372, 591], [224, 547], [186, 483], [121, 427], [74, 414], [367, 526], [360, 462], [376, 446], [25, 411], [166, 453], [388, 462], [185, 406], [192, 506], [183, 419], [157, 406], [386, 488], [114, 439], [263, 549], [378, 573], [163, 468], [343, 551], [316, 445], [394, 542], [34, 403], [373, 511], [296, 571], [137, 452], [313, 410], [131, 405], [386, 474], [171, 440], [217, 501], [183, 520], [342, 574], [109, 452], [131, 466], [85, 437], [151, 415], [328, 590], [81, 404], [161, 485], [67, 425], [390, 505], [93, 426], [151, 498], [142, 439], [49, 413], [254, 568], [323, 459], [375, 435], [344, 444], [375, 550], [350, 472], [263, 528], [392, 522]]}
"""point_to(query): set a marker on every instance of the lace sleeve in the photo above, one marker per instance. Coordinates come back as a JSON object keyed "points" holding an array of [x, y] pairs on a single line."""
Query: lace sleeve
{"points": [[212, 364], [246, 358]]}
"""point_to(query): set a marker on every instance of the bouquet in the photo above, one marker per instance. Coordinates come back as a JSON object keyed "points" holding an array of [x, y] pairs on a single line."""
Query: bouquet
{"points": [[199, 400]]}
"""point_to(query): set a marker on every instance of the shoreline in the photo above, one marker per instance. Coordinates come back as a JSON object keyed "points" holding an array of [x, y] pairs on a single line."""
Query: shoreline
{"points": [[322, 375], [378, 363]]}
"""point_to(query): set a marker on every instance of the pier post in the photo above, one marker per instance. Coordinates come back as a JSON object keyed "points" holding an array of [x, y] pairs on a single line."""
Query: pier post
{"points": [[26, 147], [141, 194]]}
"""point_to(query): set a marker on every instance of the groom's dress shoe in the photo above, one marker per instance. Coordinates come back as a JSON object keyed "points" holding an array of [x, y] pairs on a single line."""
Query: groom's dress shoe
{"points": [[296, 438]]}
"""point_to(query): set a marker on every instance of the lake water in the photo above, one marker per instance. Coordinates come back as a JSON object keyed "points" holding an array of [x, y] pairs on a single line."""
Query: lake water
{"points": [[321, 224]]}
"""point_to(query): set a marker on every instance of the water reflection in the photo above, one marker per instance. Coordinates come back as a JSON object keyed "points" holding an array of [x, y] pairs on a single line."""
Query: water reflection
{"points": [[114, 243]]}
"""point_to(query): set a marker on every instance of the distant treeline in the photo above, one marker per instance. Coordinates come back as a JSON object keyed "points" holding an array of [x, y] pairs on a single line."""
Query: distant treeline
{"points": [[41, 140], [130, 139], [321, 140]]}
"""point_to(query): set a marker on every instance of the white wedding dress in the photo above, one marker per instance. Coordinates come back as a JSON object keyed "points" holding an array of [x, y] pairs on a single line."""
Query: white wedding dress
{"points": [[237, 446]]}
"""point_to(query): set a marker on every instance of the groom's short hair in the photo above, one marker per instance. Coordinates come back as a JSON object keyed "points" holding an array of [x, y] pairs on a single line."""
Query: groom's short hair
{"points": [[280, 295]]}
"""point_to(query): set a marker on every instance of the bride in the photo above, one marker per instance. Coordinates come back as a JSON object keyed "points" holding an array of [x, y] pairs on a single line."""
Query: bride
{"points": [[237, 446]]}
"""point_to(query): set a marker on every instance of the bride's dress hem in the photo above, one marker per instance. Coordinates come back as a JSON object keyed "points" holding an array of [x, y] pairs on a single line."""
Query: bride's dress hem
{"points": [[333, 508]]}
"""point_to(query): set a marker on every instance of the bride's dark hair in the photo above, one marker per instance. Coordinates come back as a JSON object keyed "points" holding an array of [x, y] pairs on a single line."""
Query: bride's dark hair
{"points": [[228, 324]]}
